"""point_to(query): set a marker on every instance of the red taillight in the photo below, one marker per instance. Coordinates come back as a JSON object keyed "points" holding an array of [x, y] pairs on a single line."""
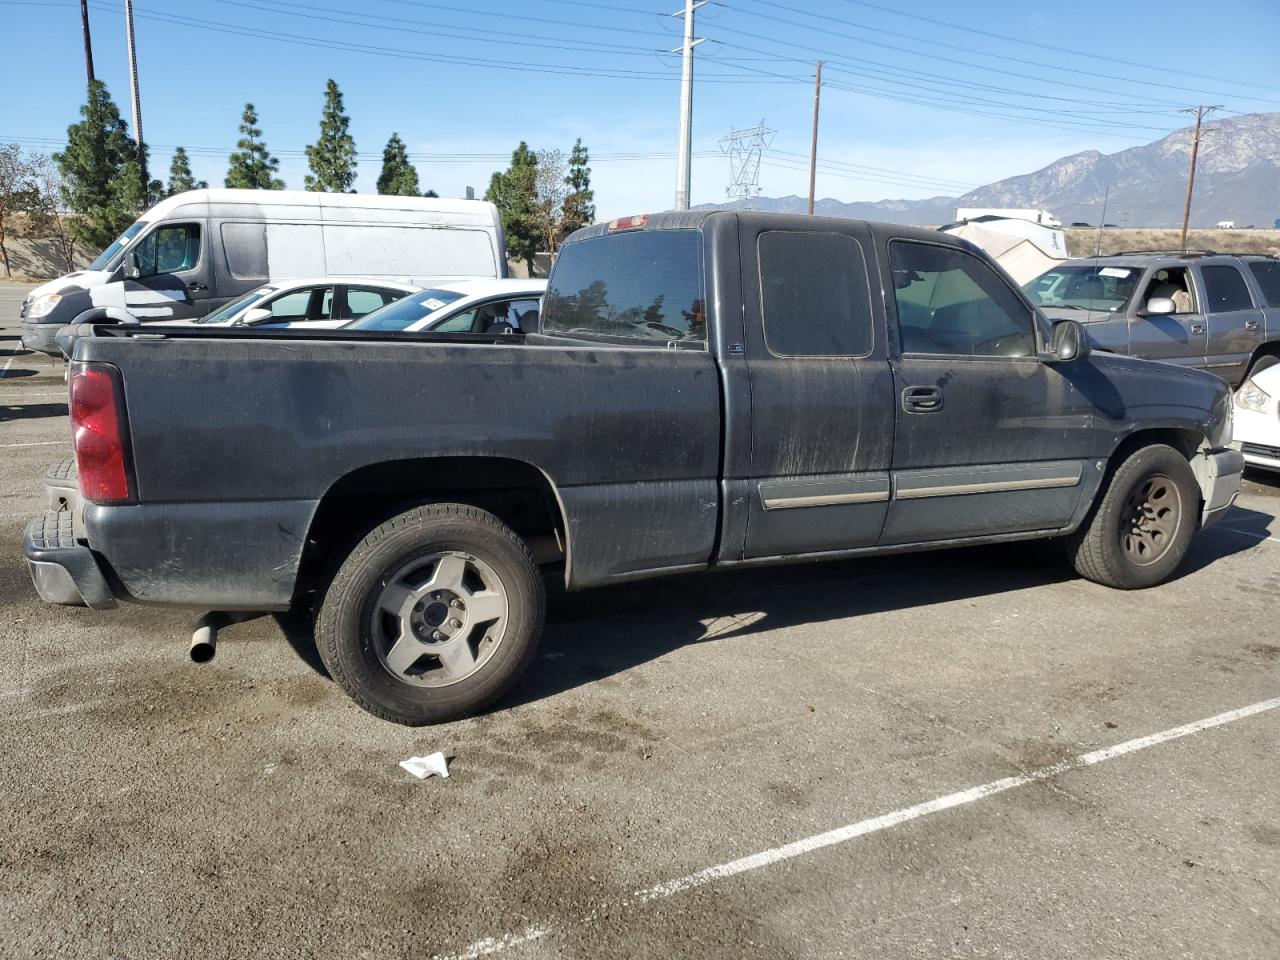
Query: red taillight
{"points": [[99, 433]]}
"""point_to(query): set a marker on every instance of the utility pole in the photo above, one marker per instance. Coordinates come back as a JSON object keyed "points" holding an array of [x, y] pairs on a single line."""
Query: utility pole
{"points": [[137, 103], [1191, 175], [813, 149], [88, 44], [684, 155]]}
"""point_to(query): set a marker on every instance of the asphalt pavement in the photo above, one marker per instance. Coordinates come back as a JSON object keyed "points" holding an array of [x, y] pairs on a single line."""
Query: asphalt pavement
{"points": [[962, 754]]}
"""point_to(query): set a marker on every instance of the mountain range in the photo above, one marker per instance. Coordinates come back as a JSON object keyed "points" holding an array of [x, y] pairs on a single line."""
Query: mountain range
{"points": [[1237, 178]]}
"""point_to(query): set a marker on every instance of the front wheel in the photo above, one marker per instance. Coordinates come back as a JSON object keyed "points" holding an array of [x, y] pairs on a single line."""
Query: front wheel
{"points": [[433, 616], [1141, 528]]}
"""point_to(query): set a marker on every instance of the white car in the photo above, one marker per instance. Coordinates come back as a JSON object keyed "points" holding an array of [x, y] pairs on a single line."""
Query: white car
{"points": [[308, 304], [463, 306], [1257, 412]]}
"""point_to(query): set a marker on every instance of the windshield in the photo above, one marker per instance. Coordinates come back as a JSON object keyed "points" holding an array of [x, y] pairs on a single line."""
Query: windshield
{"points": [[1084, 286], [235, 306], [639, 286], [401, 314], [119, 243]]}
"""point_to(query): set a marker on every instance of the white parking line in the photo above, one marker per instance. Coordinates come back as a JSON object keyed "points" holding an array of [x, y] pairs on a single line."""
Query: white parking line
{"points": [[39, 443], [756, 861]]}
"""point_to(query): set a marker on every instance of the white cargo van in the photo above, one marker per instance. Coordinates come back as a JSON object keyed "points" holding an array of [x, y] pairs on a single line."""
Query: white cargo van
{"points": [[194, 251]]}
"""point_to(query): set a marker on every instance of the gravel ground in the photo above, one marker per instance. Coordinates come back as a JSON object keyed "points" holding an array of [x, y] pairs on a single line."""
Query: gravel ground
{"points": [[153, 808]]}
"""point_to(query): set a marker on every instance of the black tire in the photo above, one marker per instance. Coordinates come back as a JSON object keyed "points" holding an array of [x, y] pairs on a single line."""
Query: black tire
{"points": [[352, 642], [1150, 480]]}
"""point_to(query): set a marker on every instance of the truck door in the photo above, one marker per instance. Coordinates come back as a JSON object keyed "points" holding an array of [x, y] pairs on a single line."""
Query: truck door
{"points": [[989, 439], [173, 274], [821, 391], [1235, 322], [1169, 337]]}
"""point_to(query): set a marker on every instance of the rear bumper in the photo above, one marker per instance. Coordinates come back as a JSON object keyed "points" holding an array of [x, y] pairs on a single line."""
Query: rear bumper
{"points": [[1261, 455], [1219, 473], [63, 569]]}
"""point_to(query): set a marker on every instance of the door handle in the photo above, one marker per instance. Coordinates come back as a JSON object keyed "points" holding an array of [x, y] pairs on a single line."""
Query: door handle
{"points": [[1251, 325], [1197, 328], [922, 399], [197, 287]]}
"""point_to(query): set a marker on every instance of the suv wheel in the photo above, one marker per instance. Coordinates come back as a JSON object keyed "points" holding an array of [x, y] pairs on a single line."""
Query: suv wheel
{"points": [[433, 616], [1141, 527]]}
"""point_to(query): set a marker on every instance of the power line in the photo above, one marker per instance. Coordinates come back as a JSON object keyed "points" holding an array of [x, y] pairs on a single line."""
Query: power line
{"points": [[1056, 48]]}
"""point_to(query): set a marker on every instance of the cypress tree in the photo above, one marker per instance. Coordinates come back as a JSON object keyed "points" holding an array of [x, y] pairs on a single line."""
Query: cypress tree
{"points": [[252, 167], [513, 192], [180, 178], [398, 177], [332, 158], [579, 205]]}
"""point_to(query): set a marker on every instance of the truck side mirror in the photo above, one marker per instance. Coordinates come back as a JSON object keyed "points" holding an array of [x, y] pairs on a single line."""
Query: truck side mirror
{"points": [[1069, 343], [1158, 306], [131, 271]]}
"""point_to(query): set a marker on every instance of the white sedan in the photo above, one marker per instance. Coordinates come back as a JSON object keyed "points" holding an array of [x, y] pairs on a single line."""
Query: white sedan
{"points": [[463, 306], [1257, 413], [307, 304]]}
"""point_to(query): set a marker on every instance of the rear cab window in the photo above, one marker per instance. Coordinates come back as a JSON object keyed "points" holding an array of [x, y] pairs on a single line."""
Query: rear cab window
{"points": [[644, 287]]}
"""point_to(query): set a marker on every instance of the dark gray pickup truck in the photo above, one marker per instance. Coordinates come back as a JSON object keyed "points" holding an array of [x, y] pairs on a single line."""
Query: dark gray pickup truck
{"points": [[707, 390]]}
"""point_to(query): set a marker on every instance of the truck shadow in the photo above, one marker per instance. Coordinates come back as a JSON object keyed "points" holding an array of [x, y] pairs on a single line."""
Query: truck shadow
{"points": [[32, 411], [596, 634], [599, 633]]}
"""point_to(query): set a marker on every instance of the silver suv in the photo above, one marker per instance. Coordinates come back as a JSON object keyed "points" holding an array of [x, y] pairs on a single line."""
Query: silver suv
{"points": [[1220, 312]]}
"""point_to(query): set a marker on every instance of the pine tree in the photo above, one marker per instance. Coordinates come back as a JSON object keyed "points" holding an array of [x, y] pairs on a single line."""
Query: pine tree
{"points": [[579, 205], [101, 175], [398, 177], [512, 191], [180, 178], [332, 158], [251, 166]]}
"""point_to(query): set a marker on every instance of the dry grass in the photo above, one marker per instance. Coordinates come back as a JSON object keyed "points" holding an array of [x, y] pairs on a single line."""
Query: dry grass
{"points": [[1084, 243]]}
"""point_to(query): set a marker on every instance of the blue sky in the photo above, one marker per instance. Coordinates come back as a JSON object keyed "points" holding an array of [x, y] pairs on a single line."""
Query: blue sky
{"points": [[922, 99]]}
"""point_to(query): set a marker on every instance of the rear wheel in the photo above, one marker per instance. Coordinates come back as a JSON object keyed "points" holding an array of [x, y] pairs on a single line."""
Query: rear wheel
{"points": [[1140, 529], [433, 616]]}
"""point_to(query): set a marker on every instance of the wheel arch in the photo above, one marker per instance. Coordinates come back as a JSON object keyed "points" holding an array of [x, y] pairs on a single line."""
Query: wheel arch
{"points": [[518, 492]]}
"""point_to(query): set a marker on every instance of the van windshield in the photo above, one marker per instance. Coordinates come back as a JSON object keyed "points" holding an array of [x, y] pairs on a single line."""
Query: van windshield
{"points": [[105, 258]]}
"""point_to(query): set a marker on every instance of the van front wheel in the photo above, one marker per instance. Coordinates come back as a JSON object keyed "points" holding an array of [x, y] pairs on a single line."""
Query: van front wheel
{"points": [[1140, 530], [433, 616]]}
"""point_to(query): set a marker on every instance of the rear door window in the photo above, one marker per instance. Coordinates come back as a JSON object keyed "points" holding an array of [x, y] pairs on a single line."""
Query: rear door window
{"points": [[362, 300], [644, 287], [1225, 289], [1267, 273], [814, 292]]}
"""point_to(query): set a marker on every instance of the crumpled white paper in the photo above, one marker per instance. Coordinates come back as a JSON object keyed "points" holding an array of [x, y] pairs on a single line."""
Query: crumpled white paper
{"points": [[423, 767]]}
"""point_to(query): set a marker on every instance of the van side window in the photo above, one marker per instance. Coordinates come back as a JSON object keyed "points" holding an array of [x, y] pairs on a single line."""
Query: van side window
{"points": [[814, 294], [171, 248], [953, 304]]}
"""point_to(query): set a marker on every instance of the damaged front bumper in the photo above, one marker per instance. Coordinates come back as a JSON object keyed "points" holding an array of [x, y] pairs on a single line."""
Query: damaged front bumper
{"points": [[1219, 473]]}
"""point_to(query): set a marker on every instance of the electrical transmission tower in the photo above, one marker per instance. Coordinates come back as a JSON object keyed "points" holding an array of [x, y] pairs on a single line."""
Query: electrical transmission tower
{"points": [[744, 148]]}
